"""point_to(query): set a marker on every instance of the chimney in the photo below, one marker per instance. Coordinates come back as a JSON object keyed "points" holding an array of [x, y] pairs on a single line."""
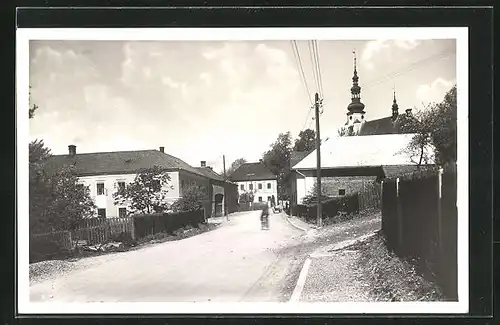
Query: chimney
{"points": [[210, 167], [408, 111], [261, 161], [162, 149], [72, 149], [203, 163]]}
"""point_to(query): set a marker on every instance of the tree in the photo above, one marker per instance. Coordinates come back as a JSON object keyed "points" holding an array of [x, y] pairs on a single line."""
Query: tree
{"points": [[346, 131], [277, 159], [32, 108], [237, 163], [191, 200], [38, 152], [312, 196], [57, 200], [434, 127], [147, 193], [306, 141]]}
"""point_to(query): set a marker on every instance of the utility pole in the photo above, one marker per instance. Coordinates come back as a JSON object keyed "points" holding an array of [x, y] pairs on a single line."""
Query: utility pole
{"points": [[318, 161], [225, 185]]}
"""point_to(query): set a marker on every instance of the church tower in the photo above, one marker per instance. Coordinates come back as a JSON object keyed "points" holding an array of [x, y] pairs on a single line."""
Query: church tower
{"points": [[395, 107], [356, 113]]}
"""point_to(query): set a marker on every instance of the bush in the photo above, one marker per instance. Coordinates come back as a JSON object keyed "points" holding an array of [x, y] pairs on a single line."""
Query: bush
{"points": [[166, 222]]}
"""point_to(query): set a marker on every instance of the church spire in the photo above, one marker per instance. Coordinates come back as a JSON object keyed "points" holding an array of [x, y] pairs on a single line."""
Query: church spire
{"points": [[355, 106], [395, 106]]}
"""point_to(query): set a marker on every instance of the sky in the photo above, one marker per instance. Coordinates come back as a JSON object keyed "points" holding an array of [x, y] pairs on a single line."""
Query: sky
{"points": [[205, 99]]}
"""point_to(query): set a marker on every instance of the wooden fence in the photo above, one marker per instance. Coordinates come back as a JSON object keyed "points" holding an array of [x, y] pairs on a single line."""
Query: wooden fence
{"points": [[96, 231], [419, 220], [370, 197]]}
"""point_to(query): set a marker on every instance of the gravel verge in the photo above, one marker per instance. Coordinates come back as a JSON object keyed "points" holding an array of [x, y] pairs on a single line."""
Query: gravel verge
{"points": [[51, 269], [335, 279]]}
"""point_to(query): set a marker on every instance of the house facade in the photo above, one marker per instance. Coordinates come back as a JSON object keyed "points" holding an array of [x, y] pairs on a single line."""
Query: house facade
{"points": [[255, 179], [105, 172]]}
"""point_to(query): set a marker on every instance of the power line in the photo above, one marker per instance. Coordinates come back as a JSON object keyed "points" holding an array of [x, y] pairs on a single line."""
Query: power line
{"points": [[407, 69], [301, 69], [313, 64], [315, 48]]}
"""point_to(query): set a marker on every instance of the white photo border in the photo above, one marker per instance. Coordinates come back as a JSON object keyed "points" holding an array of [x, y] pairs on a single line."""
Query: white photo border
{"points": [[25, 35]]}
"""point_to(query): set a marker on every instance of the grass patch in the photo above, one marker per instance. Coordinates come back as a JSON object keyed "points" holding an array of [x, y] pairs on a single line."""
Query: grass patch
{"points": [[390, 277]]}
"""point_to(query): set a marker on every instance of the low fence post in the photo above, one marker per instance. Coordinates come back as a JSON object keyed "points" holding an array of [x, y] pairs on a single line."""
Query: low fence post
{"points": [[132, 227], [440, 212], [399, 215]]}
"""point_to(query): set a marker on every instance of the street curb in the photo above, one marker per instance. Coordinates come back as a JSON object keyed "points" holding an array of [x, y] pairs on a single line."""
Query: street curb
{"points": [[294, 225], [301, 281]]}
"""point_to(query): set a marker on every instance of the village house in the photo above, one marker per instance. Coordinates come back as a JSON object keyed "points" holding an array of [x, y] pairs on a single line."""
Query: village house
{"points": [[257, 179], [105, 172]]}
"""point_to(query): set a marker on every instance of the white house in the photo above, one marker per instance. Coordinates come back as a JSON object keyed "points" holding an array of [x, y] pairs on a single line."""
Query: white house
{"points": [[352, 160], [105, 172], [257, 179]]}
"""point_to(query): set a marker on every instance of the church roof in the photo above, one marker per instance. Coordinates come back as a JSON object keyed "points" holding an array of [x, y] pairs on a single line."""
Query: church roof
{"points": [[383, 125]]}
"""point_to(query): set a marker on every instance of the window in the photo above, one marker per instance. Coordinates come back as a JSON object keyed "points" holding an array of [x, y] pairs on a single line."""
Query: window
{"points": [[100, 188], [268, 198], [101, 213], [260, 198], [122, 212], [250, 186], [260, 186], [242, 187], [121, 186], [341, 191], [268, 186]]}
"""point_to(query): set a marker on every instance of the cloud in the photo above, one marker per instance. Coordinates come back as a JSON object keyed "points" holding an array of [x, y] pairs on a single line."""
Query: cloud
{"points": [[387, 47], [435, 91]]}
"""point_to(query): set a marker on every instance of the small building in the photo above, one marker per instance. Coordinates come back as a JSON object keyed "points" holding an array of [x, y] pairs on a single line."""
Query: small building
{"points": [[345, 171], [257, 181], [105, 172]]}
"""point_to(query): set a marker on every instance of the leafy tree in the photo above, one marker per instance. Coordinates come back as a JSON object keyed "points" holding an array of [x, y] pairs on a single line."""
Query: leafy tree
{"points": [[38, 152], [56, 200], [247, 196], [347, 131], [147, 193], [33, 107], [312, 196], [434, 127], [306, 141], [237, 163], [191, 200], [277, 159]]}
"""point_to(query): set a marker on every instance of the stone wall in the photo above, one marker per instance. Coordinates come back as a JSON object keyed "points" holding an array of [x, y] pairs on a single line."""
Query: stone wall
{"points": [[351, 184]]}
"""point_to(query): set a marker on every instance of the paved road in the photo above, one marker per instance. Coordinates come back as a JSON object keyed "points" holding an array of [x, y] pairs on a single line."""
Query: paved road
{"points": [[237, 262]]}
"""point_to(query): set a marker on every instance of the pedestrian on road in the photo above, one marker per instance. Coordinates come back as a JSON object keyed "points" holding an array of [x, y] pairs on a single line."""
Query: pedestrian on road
{"points": [[264, 217]]}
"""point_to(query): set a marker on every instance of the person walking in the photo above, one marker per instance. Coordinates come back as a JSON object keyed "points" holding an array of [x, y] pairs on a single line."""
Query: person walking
{"points": [[264, 218]]}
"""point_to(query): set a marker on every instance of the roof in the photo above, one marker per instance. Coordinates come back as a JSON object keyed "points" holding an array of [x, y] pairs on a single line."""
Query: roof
{"points": [[361, 151], [209, 173], [400, 170], [297, 156], [383, 125], [118, 162], [252, 172]]}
